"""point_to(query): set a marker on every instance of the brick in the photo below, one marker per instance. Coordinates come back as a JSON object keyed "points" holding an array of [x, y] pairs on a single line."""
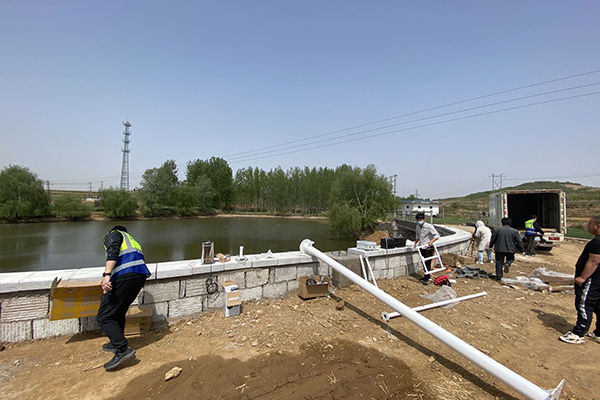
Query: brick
{"points": [[275, 290], [237, 277], [161, 291], [88, 324], [214, 301], [283, 274], [44, 328], [184, 307], [254, 293], [196, 286], [292, 285], [308, 270], [21, 308], [257, 277], [160, 311], [15, 331]]}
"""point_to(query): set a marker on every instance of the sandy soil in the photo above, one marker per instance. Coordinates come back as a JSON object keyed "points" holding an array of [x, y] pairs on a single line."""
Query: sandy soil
{"points": [[334, 347]]}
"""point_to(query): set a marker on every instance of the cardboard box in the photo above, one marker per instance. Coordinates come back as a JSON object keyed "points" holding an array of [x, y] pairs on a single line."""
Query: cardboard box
{"points": [[138, 320], [315, 290], [70, 299], [233, 299], [223, 258]]}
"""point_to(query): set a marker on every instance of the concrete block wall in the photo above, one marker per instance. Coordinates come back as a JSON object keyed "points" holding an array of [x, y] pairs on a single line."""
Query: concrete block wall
{"points": [[178, 289]]}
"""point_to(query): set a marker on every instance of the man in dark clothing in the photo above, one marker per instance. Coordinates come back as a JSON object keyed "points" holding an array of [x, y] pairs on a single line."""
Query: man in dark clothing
{"points": [[587, 289], [532, 228], [124, 276], [505, 241]]}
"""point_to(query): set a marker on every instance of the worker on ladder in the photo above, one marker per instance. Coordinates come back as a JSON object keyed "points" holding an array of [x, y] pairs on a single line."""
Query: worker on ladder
{"points": [[426, 234]]}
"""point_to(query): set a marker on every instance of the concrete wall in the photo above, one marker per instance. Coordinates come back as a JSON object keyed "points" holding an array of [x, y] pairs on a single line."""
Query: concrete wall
{"points": [[177, 289]]}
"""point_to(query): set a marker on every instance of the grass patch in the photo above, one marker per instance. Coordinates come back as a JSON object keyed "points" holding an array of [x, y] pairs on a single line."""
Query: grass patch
{"points": [[579, 233]]}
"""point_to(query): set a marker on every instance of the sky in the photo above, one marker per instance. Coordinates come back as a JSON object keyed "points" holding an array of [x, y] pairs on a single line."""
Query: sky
{"points": [[442, 94]]}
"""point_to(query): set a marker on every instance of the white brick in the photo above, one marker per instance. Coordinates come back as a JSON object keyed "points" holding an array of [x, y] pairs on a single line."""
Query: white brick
{"points": [[254, 293], [173, 269], [43, 328], [287, 259], [258, 262], [275, 290], [9, 281], [41, 280], [283, 274], [257, 277], [237, 277], [93, 274], [183, 307], [217, 267], [21, 308], [161, 291], [214, 301], [324, 269], [195, 286], [160, 311], [199, 268], [234, 264], [89, 324], [15, 331], [307, 270], [292, 285]]}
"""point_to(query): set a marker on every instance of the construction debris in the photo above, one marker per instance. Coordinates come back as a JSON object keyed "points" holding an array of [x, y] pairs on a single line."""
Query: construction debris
{"points": [[173, 373]]}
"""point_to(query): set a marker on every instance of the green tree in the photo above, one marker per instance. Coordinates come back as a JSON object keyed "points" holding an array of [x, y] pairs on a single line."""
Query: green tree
{"points": [[358, 192], [71, 207], [158, 186], [221, 177], [117, 203], [22, 194]]}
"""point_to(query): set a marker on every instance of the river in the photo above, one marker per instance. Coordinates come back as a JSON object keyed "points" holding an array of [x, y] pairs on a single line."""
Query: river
{"points": [[68, 245]]}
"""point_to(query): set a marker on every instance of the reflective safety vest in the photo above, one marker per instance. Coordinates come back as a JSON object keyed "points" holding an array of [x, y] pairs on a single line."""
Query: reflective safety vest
{"points": [[529, 229], [131, 258]]}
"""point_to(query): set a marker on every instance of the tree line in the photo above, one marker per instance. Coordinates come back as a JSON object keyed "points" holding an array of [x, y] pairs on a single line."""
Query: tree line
{"points": [[352, 198]]}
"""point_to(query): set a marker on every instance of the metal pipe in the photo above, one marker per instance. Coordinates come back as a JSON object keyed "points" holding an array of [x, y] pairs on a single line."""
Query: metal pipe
{"points": [[493, 367], [387, 316]]}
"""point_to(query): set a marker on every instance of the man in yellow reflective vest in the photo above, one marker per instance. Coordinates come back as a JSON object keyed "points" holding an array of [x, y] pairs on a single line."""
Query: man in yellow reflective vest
{"points": [[532, 228], [125, 273]]}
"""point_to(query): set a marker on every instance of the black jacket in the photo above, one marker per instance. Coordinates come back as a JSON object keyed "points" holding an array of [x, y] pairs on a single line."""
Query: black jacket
{"points": [[506, 240]]}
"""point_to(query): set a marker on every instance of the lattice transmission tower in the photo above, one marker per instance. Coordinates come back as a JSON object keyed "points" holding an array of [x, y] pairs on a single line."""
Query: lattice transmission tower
{"points": [[125, 166]]}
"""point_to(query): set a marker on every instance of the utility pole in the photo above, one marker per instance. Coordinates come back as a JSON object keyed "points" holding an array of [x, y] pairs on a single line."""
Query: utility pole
{"points": [[393, 180], [417, 194], [90, 191], [125, 165], [497, 181]]}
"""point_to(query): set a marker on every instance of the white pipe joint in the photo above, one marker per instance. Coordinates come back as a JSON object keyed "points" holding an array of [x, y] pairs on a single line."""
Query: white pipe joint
{"points": [[526, 388]]}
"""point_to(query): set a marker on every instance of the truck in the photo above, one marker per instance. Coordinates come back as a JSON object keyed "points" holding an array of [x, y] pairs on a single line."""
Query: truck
{"points": [[549, 205]]}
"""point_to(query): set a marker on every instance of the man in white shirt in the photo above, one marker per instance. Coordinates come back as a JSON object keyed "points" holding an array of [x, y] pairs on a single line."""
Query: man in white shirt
{"points": [[426, 236]]}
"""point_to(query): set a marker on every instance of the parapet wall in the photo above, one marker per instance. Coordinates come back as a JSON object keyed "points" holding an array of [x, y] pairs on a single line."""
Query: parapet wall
{"points": [[178, 289]]}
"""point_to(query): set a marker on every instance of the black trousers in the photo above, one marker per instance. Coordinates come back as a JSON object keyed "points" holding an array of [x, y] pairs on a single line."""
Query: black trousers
{"points": [[427, 252], [587, 303], [502, 258], [114, 306]]}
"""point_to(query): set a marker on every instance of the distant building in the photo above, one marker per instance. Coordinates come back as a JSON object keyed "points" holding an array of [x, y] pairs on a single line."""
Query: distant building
{"points": [[428, 207]]}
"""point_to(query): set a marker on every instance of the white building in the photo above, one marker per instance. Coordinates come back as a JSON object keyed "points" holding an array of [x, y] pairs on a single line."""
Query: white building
{"points": [[428, 207]]}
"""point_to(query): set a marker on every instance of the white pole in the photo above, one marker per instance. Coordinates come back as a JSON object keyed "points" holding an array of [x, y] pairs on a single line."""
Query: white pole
{"points": [[387, 316], [493, 367]]}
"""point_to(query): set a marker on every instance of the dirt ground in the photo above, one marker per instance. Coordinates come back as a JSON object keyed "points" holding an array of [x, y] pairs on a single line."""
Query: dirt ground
{"points": [[335, 347]]}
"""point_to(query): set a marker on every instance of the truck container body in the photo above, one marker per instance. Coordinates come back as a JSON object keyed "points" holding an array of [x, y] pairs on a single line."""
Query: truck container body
{"points": [[549, 205]]}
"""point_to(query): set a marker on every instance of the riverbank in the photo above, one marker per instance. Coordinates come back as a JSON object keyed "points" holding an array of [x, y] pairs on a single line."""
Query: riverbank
{"points": [[97, 216]]}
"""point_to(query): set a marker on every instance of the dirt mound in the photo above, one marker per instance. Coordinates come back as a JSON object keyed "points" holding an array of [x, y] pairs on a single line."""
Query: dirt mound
{"points": [[323, 370]]}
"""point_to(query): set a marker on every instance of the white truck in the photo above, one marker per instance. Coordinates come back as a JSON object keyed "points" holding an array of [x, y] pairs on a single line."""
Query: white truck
{"points": [[549, 205]]}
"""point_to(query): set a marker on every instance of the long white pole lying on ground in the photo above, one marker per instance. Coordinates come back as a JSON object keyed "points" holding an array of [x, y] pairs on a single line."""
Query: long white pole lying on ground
{"points": [[387, 316], [493, 367]]}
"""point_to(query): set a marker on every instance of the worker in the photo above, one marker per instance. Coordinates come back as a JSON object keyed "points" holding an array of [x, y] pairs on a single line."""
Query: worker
{"points": [[426, 235], [484, 234], [125, 273], [505, 241], [532, 228], [587, 288]]}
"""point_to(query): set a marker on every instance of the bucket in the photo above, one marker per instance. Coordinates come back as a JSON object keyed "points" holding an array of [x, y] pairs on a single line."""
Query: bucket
{"points": [[208, 252]]}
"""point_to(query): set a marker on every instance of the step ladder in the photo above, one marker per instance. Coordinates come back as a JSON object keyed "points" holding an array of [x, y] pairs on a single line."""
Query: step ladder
{"points": [[368, 271], [435, 256]]}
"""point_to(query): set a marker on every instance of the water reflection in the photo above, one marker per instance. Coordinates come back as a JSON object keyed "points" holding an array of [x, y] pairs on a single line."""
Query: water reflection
{"points": [[79, 244]]}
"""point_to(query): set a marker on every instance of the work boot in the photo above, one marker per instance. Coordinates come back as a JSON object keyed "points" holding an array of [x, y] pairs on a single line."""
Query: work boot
{"points": [[506, 267], [108, 347], [119, 358]]}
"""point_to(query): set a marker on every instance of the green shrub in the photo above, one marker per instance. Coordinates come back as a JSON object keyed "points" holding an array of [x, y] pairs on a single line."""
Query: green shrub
{"points": [[117, 203], [71, 207]]}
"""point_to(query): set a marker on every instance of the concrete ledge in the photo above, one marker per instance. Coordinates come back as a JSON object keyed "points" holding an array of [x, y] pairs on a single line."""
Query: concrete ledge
{"points": [[9, 281], [43, 279], [173, 269]]}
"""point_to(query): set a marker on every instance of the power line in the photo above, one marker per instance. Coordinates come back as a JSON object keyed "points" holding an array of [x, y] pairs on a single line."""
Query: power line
{"points": [[588, 175], [242, 158], [423, 126], [418, 112]]}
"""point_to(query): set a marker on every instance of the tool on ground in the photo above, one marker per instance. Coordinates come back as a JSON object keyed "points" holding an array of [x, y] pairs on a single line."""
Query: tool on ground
{"points": [[493, 367]]}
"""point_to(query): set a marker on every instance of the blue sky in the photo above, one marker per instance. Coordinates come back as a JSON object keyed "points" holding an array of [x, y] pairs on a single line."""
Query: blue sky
{"points": [[216, 78]]}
